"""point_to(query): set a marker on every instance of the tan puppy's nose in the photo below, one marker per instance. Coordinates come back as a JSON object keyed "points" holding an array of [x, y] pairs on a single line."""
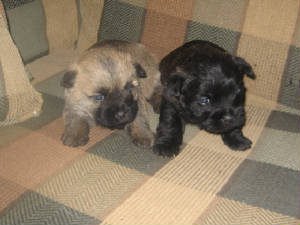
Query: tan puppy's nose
{"points": [[120, 115]]}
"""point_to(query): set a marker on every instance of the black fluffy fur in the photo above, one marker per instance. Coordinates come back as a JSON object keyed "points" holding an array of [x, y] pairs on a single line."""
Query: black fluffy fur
{"points": [[203, 85]]}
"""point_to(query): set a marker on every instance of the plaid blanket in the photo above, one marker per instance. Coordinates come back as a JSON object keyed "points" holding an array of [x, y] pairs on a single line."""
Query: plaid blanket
{"points": [[110, 181]]}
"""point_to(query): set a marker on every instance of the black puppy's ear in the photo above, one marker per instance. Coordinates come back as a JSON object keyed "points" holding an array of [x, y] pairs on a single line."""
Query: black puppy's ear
{"points": [[175, 82], [140, 72], [189, 85], [244, 67], [68, 79]]}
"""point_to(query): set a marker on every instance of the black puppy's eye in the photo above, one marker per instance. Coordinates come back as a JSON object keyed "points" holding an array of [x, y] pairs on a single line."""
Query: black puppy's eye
{"points": [[237, 91], [204, 100]]}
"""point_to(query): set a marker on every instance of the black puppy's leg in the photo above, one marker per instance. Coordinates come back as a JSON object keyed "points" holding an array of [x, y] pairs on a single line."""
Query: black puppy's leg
{"points": [[169, 132], [236, 140]]}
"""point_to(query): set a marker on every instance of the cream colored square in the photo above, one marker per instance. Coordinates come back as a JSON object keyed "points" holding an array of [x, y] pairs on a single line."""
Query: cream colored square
{"points": [[91, 14], [267, 59], [271, 19], [140, 3], [49, 65], [159, 202], [62, 23], [296, 41], [200, 168], [252, 99]]}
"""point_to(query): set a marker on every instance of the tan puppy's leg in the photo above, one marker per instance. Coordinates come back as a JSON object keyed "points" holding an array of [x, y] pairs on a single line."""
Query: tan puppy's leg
{"points": [[76, 131], [155, 99], [139, 129], [140, 133]]}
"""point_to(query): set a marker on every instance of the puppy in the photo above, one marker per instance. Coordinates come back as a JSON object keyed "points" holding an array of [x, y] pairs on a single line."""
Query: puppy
{"points": [[112, 85], [203, 85]]}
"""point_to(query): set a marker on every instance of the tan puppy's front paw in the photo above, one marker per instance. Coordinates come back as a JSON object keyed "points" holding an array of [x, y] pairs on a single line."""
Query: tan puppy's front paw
{"points": [[145, 141], [73, 140]]}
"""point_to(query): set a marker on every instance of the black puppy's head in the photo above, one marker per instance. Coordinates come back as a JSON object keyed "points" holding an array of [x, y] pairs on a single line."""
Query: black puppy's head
{"points": [[210, 92], [119, 106]]}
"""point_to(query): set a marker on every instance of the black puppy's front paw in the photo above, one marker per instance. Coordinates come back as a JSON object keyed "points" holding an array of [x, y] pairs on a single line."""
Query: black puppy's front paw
{"points": [[169, 133], [166, 150], [241, 144], [236, 140]]}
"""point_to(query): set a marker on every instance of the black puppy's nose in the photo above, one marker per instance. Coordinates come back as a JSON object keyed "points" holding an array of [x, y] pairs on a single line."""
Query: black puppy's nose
{"points": [[227, 118], [120, 115]]}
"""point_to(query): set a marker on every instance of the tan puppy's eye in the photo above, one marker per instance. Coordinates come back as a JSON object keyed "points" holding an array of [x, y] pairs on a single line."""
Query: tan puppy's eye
{"points": [[97, 97]]}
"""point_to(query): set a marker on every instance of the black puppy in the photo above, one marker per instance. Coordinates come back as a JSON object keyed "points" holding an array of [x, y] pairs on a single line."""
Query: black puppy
{"points": [[203, 85]]}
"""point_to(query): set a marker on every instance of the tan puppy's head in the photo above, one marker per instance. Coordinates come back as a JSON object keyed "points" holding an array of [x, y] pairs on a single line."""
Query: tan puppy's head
{"points": [[104, 86]]}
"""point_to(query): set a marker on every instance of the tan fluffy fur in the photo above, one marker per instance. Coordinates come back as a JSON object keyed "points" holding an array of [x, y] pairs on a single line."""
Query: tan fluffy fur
{"points": [[109, 65]]}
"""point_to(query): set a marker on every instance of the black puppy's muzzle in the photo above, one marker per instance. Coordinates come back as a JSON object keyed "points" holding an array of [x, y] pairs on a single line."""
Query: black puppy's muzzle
{"points": [[224, 120], [224, 116]]}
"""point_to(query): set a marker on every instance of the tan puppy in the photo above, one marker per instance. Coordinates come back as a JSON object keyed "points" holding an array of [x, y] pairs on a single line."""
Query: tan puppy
{"points": [[111, 85]]}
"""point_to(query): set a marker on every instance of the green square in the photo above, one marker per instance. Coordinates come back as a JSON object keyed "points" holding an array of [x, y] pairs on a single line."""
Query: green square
{"points": [[27, 26], [121, 21], [34, 208]]}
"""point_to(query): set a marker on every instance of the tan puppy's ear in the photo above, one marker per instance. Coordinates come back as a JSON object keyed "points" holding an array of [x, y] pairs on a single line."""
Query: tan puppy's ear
{"points": [[140, 72], [68, 79]]}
